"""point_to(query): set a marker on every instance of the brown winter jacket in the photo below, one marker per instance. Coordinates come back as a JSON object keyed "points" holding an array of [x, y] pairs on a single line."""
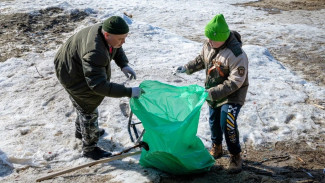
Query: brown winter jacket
{"points": [[226, 71], [83, 67]]}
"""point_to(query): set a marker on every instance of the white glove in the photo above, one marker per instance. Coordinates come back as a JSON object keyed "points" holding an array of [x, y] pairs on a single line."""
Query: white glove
{"points": [[136, 92], [181, 69], [128, 70]]}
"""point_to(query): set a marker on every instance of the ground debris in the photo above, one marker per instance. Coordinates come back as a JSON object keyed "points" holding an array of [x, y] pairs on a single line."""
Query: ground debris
{"points": [[276, 158], [42, 29], [288, 5]]}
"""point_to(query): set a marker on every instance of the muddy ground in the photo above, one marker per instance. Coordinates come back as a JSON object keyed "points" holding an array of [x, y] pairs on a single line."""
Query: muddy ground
{"points": [[284, 162], [301, 59], [287, 5], [38, 31]]}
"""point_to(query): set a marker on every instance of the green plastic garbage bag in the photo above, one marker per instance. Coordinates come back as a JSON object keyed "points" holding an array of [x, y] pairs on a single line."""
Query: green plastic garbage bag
{"points": [[170, 116]]}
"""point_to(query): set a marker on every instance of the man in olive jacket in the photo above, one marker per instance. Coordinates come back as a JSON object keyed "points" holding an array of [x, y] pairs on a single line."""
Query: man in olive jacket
{"points": [[83, 67], [226, 66]]}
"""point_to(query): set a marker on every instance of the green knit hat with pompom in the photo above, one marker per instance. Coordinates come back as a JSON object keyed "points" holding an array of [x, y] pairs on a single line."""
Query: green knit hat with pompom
{"points": [[217, 29]]}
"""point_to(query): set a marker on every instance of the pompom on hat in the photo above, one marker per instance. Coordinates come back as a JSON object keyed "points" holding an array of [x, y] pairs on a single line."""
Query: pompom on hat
{"points": [[115, 25], [217, 29]]}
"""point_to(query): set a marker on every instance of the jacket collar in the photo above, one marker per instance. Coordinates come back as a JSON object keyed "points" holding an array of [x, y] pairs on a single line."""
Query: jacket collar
{"points": [[103, 38]]}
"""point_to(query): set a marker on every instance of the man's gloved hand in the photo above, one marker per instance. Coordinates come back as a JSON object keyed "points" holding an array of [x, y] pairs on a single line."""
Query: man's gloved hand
{"points": [[128, 70], [180, 69], [136, 92]]}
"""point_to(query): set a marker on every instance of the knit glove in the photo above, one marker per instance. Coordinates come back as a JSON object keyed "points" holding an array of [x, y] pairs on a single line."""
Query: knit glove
{"points": [[128, 70], [136, 92]]}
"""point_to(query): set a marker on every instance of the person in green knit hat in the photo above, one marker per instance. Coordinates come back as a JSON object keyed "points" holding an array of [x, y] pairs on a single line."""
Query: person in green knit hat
{"points": [[226, 69], [83, 68]]}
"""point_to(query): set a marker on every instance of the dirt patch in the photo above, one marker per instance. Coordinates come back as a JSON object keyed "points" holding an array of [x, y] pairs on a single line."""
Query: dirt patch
{"points": [[307, 61], [310, 65], [273, 6], [40, 31], [280, 162]]}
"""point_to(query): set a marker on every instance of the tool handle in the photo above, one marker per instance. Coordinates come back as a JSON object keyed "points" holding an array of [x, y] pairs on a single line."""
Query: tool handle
{"points": [[88, 164]]}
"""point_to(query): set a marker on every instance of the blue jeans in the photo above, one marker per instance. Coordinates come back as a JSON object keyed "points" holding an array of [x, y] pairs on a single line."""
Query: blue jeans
{"points": [[223, 120]]}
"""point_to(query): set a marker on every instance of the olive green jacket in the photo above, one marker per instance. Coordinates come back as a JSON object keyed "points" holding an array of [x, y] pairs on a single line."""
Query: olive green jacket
{"points": [[226, 71], [83, 67]]}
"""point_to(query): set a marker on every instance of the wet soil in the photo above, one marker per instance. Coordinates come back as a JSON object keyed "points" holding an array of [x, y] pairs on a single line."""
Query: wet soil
{"points": [[284, 162], [38, 31], [309, 62], [287, 5]]}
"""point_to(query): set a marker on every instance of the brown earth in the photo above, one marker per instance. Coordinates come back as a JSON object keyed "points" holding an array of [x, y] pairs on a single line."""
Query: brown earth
{"points": [[42, 31], [284, 162], [300, 59], [288, 5]]}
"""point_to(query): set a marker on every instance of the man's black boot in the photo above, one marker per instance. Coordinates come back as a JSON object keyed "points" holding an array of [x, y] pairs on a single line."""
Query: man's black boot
{"points": [[79, 136], [97, 154]]}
